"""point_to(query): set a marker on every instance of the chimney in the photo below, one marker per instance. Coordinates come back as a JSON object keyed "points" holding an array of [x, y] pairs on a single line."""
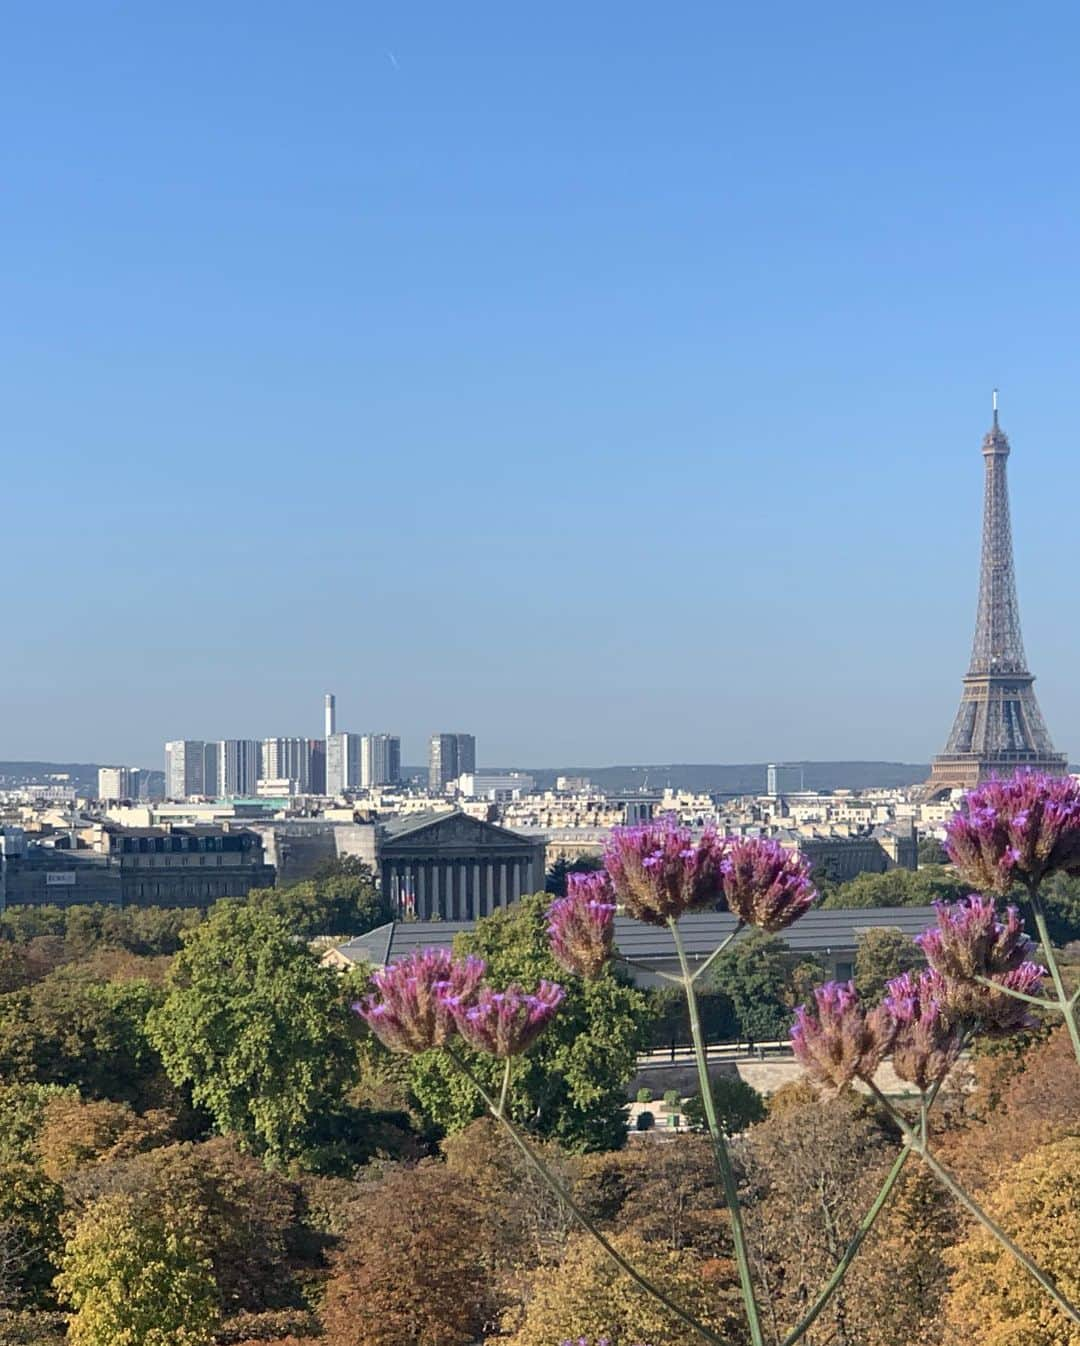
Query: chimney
{"points": [[331, 715]]}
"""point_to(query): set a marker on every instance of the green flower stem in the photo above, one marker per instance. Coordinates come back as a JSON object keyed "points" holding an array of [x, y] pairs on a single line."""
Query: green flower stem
{"points": [[720, 1151], [1065, 1002], [865, 1225], [644, 967], [500, 1112], [1041, 1001], [915, 1142], [559, 1191], [718, 951]]}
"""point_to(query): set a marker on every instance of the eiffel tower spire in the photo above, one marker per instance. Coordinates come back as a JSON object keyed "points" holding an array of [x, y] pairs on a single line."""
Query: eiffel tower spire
{"points": [[999, 726]]}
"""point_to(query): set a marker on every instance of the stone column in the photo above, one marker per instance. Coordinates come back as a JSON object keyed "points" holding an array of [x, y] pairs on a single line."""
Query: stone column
{"points": [[489, 886], [476, 905], [436, 896], [421, 892], [451, 894], [502, 884]]}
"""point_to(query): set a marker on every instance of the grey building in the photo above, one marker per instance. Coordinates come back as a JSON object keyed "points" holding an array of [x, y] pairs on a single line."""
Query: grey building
{"points": [[185, 768], [290, 759], [343, 763], [120, 782], [450, 756], [237, 767], [380, 760], [453, 867]]}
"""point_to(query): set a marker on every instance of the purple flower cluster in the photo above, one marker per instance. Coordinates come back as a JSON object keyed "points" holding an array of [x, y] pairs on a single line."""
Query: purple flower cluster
{"points": [[581, 925], [658, 871], [422, 1001], [836, 1040], [925, 1042], [1017, 831], [764, 884], [506, 1023], [971, 941], [410, 1008]]}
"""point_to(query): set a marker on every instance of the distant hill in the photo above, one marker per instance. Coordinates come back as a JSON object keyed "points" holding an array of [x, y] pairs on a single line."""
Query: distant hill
{"points": [[725, 778], [83, 775]]}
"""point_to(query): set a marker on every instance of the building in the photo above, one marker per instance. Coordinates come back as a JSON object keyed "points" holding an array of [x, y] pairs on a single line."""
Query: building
{"points": [[508, 785], [450, 756], [291, 759], [832, 936], [237, 766], [343, 763], [380, 760], [185, 768], [119, 782], [139, 866], [453, 867], [781, 779], [999, 726], [317, 765]]}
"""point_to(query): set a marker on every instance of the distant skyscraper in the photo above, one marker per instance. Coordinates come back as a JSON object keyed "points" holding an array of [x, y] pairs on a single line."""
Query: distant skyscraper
{"points": [[185, 768], [450, 756], [999, 726], [380, 760], [343, 763], [211, 787], [781, 779], [119, 782], [237, 767], [287, 759], [317, 758], [329, 714]]}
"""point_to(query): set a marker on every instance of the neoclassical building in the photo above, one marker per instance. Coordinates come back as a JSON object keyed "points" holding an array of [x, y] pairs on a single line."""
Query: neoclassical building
{"points": [[450, 867]]}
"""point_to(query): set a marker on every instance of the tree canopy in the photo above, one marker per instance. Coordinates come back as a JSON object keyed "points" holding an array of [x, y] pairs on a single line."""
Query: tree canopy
{"points": [[572, 1085]]}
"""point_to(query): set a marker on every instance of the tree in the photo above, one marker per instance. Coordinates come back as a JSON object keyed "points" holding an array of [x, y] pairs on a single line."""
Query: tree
{"points": [[258, 1030], [671, 1019], [755, 975], [413, 1268], [738, 1105], [993, 1300], [341, 900], [555, 882], [585, 1296], [30, 1207], [73, 1028], [899, 888], [1061, 897], [810, 1173], [137, 1274], [243, 1214], [571, 1085], [932, 852], [75, 1132], [880, 955]]}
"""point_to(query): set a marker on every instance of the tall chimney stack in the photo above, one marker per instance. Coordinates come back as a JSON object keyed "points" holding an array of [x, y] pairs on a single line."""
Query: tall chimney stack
{"points": [[331, 714]]}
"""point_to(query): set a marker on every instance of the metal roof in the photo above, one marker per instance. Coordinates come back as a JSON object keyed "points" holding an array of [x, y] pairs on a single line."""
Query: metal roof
{"points": [[819, 931]]}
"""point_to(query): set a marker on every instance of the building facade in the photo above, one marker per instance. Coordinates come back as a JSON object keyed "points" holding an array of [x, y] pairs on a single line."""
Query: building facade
{"points": [[237, 767], [452, 867], [380, 760], [185, 771], [450, 756], [343, 763], [119, 782], [291, 759]]}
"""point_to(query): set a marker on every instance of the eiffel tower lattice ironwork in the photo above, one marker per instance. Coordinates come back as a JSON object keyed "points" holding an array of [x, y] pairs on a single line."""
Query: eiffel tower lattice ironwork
{"points": [[999, 727]]}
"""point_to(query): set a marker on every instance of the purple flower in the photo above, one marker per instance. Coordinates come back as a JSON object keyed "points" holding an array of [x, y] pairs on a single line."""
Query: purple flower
{"points": [[504, 1023], [581, 925], [836, 1040], [658, 872], [971, 941], [764, 884], [926, 1043], [1017, 831], [408, 1011]]}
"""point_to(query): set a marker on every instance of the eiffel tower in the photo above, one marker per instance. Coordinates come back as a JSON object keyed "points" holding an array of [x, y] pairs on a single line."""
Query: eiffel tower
{"points": [[999, 727]]}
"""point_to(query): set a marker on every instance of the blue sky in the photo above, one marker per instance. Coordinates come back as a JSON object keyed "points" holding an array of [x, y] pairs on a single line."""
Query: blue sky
{"points": [[607, 380]]}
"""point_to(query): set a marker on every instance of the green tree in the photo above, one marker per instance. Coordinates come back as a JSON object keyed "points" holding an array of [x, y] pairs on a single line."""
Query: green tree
{"points": [[756, 976], [258, 1030], [932, 852], [738, 1105], [341, 900], [880, 955], [30, 1207], [72, 1027], [572, 1085], [898, 888], [1061, 897], [137, 1274]]}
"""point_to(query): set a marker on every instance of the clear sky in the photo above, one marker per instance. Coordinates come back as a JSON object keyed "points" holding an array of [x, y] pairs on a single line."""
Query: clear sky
{"points": [[605, 379]]}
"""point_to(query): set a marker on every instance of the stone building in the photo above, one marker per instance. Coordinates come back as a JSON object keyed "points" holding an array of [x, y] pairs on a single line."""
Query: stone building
{"points": [[449, 866]]}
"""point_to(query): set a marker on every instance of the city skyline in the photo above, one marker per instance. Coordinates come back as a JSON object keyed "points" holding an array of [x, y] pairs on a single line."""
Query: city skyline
{"points": [[598, 423]]}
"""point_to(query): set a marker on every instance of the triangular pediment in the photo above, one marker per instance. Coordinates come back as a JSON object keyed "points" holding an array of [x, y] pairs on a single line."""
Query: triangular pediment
{"points": [[453, 830]]}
